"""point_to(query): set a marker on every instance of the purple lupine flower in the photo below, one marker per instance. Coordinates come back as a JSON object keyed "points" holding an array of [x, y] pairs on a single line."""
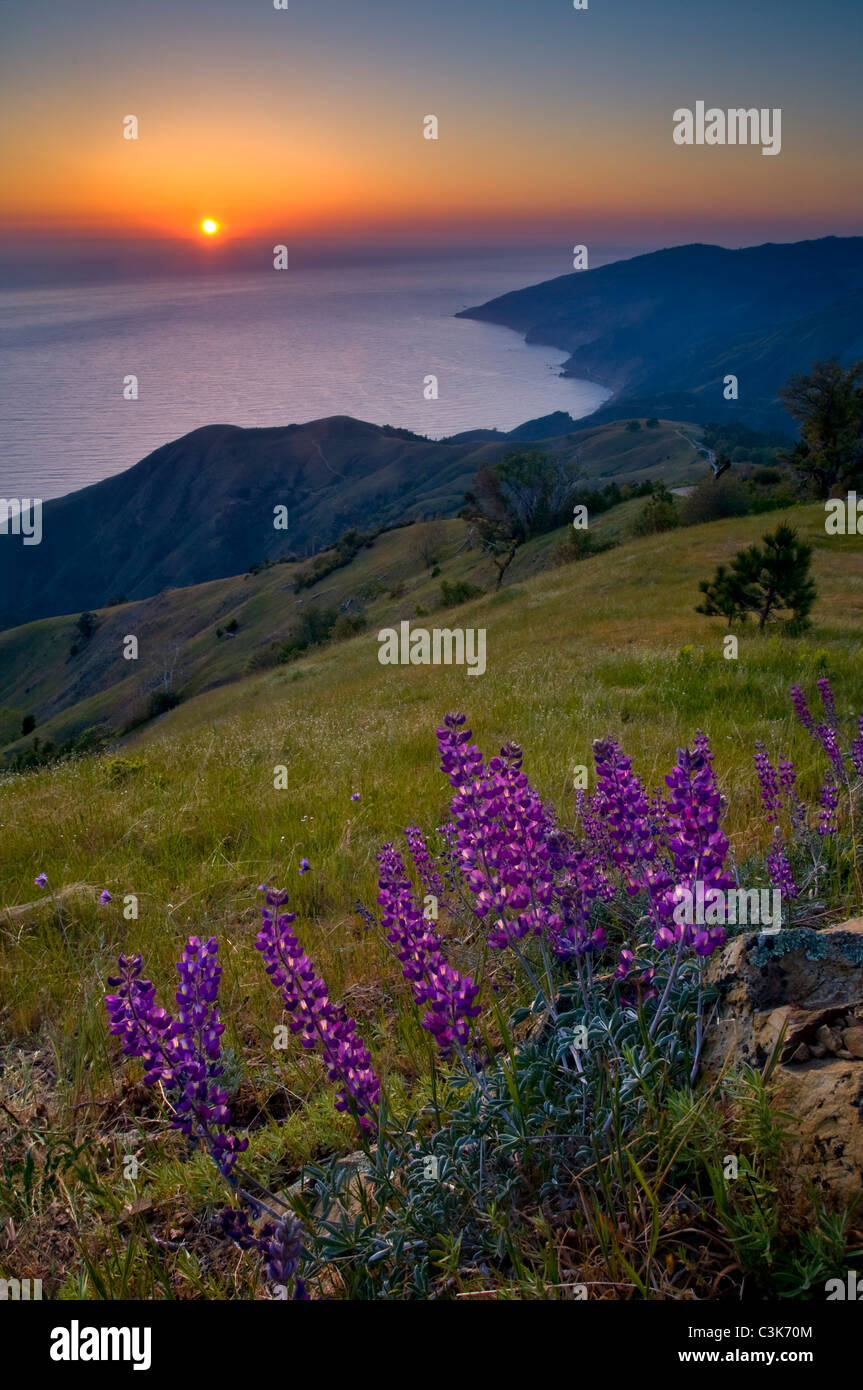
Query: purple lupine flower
{"points": [[502, 832], [576, 939], [827, 700], [280, 1243], [182, 1054], [830, 743], [525, 871], [431, 879], [364, 912], [105, 897], [828, 800], [787, 776], [355, 796], [448, 858], [41, 880], [768, 782], [625, 962], [594, 831], [449, 995], [826, 733], [283, 1249], [701, 745], [234, 1223], [638, 989], [581, 880], [538, 851], [304, 867], [780, 870], [802, 710], [314, 1016], [625, 809], [698, 848], [647, 984]]}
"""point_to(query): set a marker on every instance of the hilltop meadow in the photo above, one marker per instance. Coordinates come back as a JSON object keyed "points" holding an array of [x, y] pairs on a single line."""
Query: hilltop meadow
{"points": [[183, 814]]}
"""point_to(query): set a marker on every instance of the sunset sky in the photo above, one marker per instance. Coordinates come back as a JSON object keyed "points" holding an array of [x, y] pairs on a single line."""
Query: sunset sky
{"points": [[553, 122]]}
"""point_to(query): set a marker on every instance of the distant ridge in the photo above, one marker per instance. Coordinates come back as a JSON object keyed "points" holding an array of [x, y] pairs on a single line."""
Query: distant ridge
{"points": [[202, 507], [663, 330]]}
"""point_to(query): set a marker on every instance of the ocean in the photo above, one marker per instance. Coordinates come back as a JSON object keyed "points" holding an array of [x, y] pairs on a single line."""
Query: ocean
{"points": [[263, 348]]}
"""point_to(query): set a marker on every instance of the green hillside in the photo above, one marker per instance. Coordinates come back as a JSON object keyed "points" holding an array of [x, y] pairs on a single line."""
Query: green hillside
{"points": [[202, 507], [178, 629], [185, 816], [608, 644]]}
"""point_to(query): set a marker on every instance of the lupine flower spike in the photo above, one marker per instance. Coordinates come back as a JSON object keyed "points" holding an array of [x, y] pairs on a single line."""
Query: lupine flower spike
{"points": [[320, 1023]]}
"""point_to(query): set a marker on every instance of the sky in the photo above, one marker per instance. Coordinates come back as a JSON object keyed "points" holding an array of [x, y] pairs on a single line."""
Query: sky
{"points": [[553, 122]]}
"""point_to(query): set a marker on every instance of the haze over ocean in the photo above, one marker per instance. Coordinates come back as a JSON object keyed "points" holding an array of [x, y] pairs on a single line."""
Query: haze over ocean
{"points": [[265, 348]]}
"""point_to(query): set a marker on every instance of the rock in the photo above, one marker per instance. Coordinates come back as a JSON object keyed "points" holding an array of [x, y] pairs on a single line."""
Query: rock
{"points": [[783, 997], [829, 1038], [853, 1041]]}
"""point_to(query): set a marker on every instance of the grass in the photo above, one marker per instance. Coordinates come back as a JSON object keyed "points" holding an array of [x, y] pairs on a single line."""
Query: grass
{"points": [[191, 823]]}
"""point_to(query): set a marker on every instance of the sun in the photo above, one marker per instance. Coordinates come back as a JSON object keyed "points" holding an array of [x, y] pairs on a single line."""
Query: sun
{"points": [[209, 226]]}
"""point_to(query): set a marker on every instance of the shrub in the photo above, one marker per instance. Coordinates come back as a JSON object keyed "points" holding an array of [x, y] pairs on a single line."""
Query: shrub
{"points": [[459, 591], [44, 754], [266, 658], [347, 546], [86, 625], [580, 545], [715, 498], [161, 701], [660, 513], [314, 627], [348, 625]]}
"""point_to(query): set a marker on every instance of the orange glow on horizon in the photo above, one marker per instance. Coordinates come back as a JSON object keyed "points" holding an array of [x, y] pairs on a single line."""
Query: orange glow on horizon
{"points": [[344, 176]]}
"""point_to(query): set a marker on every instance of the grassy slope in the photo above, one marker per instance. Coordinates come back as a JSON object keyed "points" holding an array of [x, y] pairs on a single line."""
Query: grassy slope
{"points": [[573, 653], [68, 694]]}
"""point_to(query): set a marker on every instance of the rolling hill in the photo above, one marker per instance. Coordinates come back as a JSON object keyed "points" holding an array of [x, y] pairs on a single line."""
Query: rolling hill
{"points": [[202, 507], [202, 636]]}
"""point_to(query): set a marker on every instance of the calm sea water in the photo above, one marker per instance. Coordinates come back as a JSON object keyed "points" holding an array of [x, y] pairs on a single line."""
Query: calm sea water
{"points": [[261, 349]]}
